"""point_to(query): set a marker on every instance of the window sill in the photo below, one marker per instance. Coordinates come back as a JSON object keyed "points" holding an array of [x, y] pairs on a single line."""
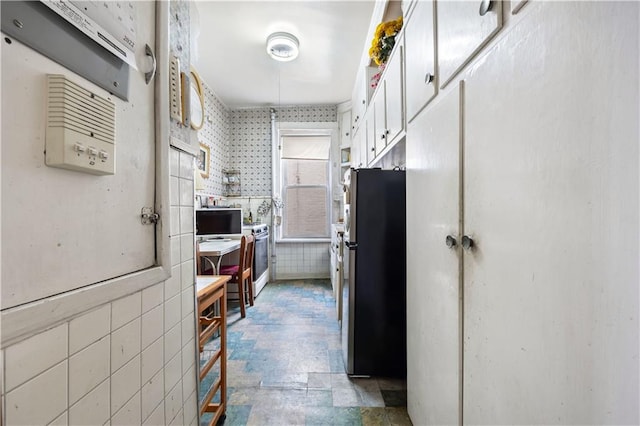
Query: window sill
{"points": [[303, 240]]}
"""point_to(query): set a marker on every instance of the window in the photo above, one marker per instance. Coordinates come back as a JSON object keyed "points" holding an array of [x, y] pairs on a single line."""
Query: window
{"points": [[305, 169]]}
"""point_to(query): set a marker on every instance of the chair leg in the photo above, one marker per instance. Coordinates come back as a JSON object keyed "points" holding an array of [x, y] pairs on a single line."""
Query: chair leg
{"points": [[251, 292], [243, 312]]}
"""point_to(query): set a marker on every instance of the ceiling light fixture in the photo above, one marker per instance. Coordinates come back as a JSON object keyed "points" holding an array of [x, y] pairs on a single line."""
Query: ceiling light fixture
{"points": [[282, 46]]}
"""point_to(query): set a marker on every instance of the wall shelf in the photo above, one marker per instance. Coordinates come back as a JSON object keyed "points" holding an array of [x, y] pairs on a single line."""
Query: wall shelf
{"points": [[231, 186]]}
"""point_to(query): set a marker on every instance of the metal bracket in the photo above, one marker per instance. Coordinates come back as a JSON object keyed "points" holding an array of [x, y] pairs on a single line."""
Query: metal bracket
{"points": [[149, 217]]}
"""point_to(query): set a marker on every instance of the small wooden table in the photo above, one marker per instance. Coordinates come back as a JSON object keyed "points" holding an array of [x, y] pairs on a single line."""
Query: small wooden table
{"points": [[218, 248], [212, 290]]}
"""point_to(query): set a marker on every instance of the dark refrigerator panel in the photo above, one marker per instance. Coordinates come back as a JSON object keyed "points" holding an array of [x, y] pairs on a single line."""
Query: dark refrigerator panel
{"points": [[374, 332]]}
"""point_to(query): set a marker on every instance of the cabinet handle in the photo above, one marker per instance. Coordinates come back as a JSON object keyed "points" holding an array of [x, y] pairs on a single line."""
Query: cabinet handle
{"points": [[428, 78], [467, 242], [373, 149], [383, 136], [485, 6], [451, 241], [363, 101], [346, 134]]}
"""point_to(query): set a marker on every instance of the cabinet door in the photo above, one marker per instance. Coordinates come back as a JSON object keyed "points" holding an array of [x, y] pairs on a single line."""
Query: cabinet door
{"points": [[420, 63], [345, 128], [551, 200], [380, 133], [462, 31], [394, 107], [358, 101], [356, 148], [433, 278], [370, 144]]}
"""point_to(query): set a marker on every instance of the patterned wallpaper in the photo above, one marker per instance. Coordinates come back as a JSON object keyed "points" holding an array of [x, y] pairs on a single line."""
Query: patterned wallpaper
{"points": [[179, 47], [250, 145], [215, 134], [241, 140]]}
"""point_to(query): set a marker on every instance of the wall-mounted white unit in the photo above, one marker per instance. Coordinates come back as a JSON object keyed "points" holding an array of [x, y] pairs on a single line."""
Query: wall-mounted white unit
{"points": [[80, 131]]}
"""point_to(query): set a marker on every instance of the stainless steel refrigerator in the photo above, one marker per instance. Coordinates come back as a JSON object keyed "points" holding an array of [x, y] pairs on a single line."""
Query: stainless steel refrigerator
{"points": [[374, 301]]}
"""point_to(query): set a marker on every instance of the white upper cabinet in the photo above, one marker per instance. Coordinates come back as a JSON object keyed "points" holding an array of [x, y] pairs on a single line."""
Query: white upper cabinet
{"points": [[380, 132], [464, 27], [420, 59], [369, 145], [394, 94], [358, 102]]}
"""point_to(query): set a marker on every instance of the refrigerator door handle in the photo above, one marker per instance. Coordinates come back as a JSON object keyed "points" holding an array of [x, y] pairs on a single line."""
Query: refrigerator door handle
{"points": [[351, 245]]}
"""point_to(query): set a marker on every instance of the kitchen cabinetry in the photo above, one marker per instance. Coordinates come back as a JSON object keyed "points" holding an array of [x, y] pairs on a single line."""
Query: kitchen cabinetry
{"points": [[370, 139], [345, 142], [464, 27], [421, 80], [433, 293], [527, 310], [358, 102], [357, 148]]}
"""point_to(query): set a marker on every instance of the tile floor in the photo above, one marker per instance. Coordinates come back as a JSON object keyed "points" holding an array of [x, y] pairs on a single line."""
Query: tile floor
{"points": [[285, 365]]}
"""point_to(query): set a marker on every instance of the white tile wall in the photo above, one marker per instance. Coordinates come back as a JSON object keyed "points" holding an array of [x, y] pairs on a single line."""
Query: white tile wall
{"points": [[125, 344], [129, 414], [88, 368], [93, 408], [89, 328], [152, 360], [125, 383], [125, 310], [27, 359], [40, 400], [152, 395], [302, 260], [152, 326], [108, 365]]}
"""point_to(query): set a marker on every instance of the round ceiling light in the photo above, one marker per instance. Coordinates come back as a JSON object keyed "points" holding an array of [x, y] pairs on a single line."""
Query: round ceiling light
{"points": [[282, 46]]}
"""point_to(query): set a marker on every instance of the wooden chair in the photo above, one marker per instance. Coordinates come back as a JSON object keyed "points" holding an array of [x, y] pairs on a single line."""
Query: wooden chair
{"points": [[242, 273]]}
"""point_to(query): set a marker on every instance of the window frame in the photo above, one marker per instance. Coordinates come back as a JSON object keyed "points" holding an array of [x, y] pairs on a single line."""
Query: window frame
{"points": [[303, 129]]}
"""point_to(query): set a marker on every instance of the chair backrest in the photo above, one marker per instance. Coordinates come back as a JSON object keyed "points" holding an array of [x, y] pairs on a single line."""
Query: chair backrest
{"points": [[248, 259]]}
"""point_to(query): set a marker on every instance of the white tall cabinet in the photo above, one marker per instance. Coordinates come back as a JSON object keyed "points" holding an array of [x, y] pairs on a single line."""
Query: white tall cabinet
{"points": [[530, 156]]}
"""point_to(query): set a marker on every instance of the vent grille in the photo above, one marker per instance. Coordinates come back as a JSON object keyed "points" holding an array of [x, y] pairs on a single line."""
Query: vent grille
{"points": [[74, 108]]}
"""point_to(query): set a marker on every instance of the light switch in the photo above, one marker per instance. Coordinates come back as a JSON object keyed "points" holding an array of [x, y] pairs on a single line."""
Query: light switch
{"points": [[93, 151], [104, 155], [79, 147]]}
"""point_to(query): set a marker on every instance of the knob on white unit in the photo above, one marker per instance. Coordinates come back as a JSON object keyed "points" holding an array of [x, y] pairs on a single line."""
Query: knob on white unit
{"points": [[80, 132]]}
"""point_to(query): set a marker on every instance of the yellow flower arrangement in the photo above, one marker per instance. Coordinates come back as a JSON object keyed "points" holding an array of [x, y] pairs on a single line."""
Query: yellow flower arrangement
{"points": [[383, 40]]}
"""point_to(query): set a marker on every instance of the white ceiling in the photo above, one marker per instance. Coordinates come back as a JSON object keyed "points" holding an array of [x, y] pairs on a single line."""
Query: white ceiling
{"points": [[232, 60]]}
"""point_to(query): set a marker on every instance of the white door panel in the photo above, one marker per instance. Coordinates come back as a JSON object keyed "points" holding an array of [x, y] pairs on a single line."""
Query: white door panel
{"points": [[551, 199], [433, 280], [71, 229]]}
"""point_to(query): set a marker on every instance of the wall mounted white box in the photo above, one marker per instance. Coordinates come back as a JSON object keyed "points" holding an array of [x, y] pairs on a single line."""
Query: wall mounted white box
{"points": [[80, 131]]}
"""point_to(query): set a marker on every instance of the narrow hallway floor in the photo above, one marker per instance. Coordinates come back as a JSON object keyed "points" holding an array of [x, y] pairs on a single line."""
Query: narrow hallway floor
{"points": [[285, 365]]}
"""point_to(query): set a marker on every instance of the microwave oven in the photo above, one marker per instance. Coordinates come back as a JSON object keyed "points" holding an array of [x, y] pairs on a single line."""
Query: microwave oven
{"points": [[218, 221]]}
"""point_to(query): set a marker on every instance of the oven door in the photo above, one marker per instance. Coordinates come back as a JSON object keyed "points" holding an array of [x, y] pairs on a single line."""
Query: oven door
{"points": [[261, 255]]}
